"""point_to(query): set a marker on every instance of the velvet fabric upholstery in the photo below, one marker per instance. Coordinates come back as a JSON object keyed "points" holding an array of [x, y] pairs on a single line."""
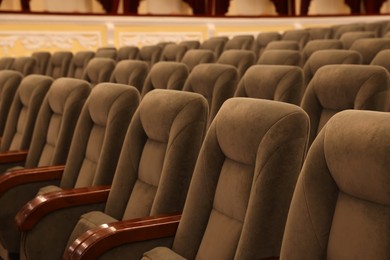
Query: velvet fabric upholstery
{"points": [[368, 48], [283, 45], [240, 42], [127, 53], [43, 58], [150, 54], [79, 63], [279, 83], [195, 57], [243, 181], [300, 36], [106, 52], [24, 65], [9, 83], [92, 160], [281, 57], [339, 87], [190, 44], [327, 57], [382, 59], [6, 63], [341, 205], [377, 27], [216, 82], [339, 30], [349, 38], [130, 72], [168, 130], [173, 52], [320, 33], [99, 70], [59, 64], [317, 45], [50, 145], [23, 112], [263, 39], [165, 75], [241, 59], [214, 45]]}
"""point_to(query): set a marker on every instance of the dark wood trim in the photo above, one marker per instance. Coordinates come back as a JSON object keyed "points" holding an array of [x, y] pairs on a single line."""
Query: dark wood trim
{"points": [[13, 156], [15, 178], [40, 206], [94, 243]]}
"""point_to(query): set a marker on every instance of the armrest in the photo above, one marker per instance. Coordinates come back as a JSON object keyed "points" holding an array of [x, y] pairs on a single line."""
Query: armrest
{"points": [[13, 156], [11, 179], [95, 242], [40, 206]]}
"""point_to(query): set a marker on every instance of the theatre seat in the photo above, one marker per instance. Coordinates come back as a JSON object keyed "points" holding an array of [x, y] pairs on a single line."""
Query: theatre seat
{"points": [[165, 75], [339, 87], [320, 33], [92, 159], [241, 59], [106, 52], [382, 59], [318, 45], [50, 145], [173, 52], [150, 54], [24, 65], [263, 39], [216, 82], [339, 30], [195, 57], [190, 44], [283, 45], [6, 63], [341, 204], [281, 57], [368, 48], [299, 36], [59, 64], [240, 42], [127, 53], [349, 38], [215, 45], [79, 63], [239, 195], [130, 72], [43, 59], [99, 70], [273, 82]]}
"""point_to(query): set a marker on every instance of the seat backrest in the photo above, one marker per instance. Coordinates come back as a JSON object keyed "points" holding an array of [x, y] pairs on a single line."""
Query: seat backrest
{"points": [[282, 45], [190, 44], [9, 83], [318, 45], [59, 64], [279, 83], [320, 33], [150, 54], [99, 70], [240, 42], [165, 75], [327, 57], [106, 52], [99, 135], [56, 121], [339, 30], [349, 38], [382, 59], [339, 87], [300, 36], [127, 53], [281, 57], [241, 59], [368, 48], [79, 63], [241, 187], [168, 130], [173, 52], [6, 63], [23, 112], [43, 58], [130, 72], [24, 65], [216, 82], [378, 27], [195, 57], [263, 39], [214, 45], [342, 192]]}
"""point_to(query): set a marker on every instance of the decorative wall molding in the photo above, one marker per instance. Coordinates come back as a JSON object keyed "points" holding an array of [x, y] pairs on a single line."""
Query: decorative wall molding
{"points": [[143, 39]]}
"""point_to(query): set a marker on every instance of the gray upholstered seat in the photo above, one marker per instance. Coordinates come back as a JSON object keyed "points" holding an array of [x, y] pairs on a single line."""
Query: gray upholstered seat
{"points": [[190, 44], [165, 75], [318, 45], [106, 52], [320, 33], [216, 82], [327, 57], [50, 144], [281, 57], [59, 64], [215, 45], [173, 52], [99, 70], [349, 38], [339, 87], [341, 204], [240, 42], [127, 53], [282, 45], [368, 48], [9, 83], [79, 63], [382, 59], [263, 39], [339, 30], [279, 83], [24, 65], [130, 72], [150, 54], [6, 63], [241, 59], [92, 159], [195, 57], [299, 36], [43, 59]]}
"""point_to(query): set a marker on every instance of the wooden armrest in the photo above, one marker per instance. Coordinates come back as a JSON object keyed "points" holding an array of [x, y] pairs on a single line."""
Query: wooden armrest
{"points": [[11, 179], [95, 242], [40, 206], [13, 156]]}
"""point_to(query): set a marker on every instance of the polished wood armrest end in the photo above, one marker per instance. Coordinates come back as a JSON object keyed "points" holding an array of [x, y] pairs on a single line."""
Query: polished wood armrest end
{"points": [[95, 242], [12, 179], [13, 156], [40, 206]]}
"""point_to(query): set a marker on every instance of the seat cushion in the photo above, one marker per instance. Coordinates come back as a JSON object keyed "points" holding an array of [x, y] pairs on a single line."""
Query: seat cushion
{"points": [[48, 189], [161, 253]]}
